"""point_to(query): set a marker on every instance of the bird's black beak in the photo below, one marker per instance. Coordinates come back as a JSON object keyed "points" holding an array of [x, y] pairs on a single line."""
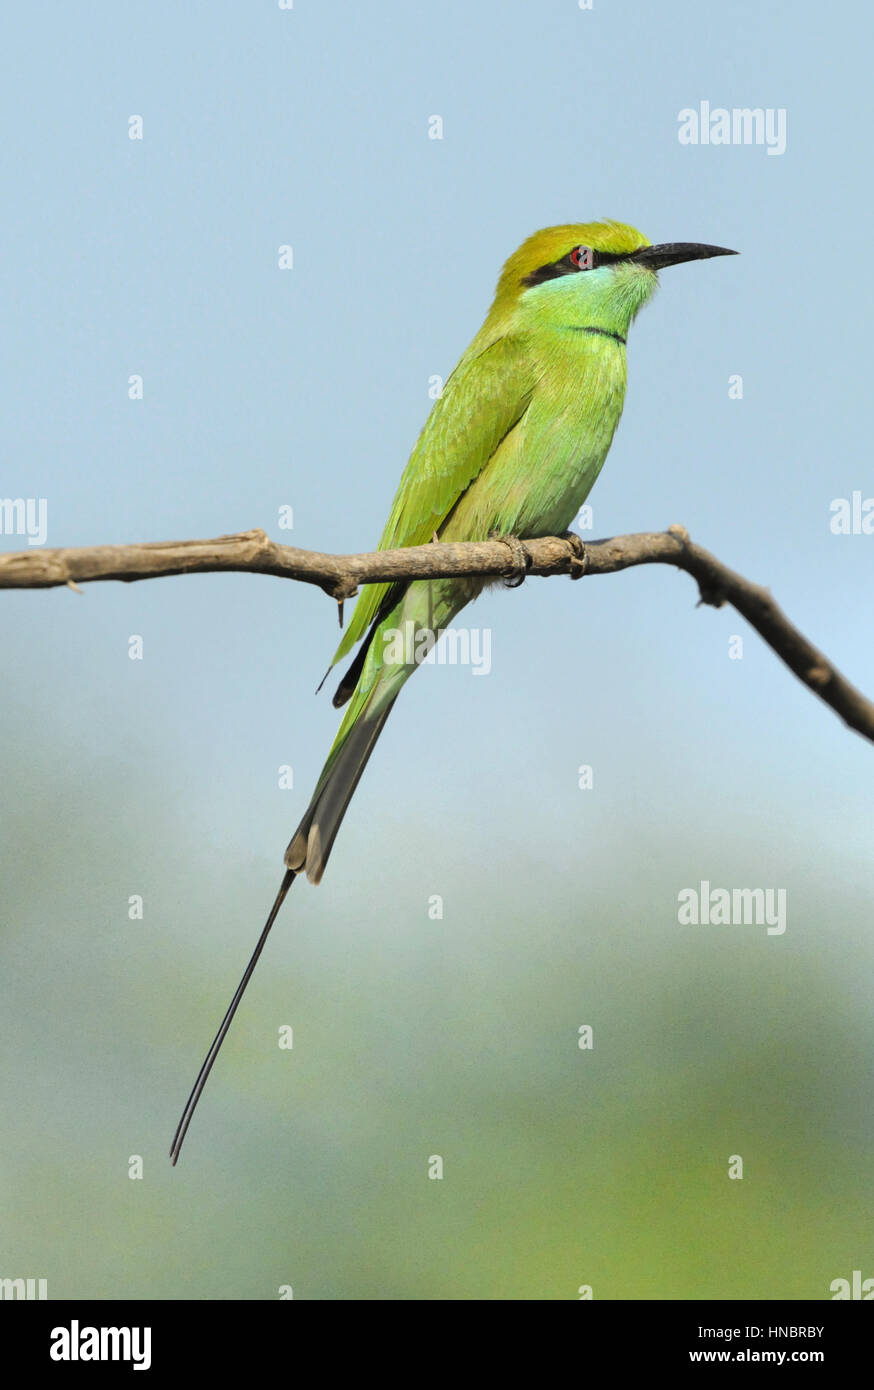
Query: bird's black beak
{"points": [[675, 252]]}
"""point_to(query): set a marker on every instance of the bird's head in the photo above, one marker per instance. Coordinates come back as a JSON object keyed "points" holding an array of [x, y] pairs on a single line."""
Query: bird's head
{"points": [[602, 271]]}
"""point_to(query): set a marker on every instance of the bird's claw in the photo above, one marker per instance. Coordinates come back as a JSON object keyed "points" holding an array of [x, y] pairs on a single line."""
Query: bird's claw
{"points": [[520, 559], [579, 560]]}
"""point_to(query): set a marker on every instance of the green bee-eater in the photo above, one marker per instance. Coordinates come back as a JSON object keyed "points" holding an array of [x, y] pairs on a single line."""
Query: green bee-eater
{"points": [[511, 447]]}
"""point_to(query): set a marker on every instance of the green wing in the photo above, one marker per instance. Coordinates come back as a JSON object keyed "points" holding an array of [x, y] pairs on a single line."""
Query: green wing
{"points": [[486, 395]]}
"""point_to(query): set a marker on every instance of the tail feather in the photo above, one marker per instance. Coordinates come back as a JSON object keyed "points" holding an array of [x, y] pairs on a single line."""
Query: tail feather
{"points": [[311, 844], [308, 851], [373, 682], [346, 689], [197, 1088], [374, 686]]}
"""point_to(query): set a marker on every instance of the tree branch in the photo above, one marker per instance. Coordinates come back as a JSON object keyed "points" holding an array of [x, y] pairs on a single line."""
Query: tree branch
{"points": [[340, 575]]}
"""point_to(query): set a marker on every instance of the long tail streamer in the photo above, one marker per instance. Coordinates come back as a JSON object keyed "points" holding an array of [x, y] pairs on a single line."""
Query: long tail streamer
{"points": [[197, 1088]]}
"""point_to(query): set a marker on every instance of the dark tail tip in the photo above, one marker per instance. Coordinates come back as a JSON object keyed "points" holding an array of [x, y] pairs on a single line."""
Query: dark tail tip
{"points": [[202, 1075]]}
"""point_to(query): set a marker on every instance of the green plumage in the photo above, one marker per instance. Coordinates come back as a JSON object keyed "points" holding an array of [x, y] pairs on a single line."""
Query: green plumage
{"points": [[513, 445]]}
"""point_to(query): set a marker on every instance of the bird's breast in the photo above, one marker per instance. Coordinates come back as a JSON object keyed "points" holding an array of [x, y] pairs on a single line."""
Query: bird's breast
{"points": [[543, 470]]}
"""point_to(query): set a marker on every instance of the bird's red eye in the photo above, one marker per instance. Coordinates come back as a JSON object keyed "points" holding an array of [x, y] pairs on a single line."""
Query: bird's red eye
{"points": [[581, 257]]}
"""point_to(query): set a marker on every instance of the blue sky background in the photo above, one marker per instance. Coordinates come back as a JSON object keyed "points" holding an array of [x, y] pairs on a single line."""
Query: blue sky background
{"points": [[307, 388]]}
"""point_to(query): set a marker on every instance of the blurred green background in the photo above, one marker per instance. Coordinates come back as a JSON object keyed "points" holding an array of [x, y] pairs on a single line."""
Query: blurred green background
{"points": [[412, 1036], [415, 1037]]}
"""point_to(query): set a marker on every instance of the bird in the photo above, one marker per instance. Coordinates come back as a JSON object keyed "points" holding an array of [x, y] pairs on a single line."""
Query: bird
{"points": [[510, 449]]}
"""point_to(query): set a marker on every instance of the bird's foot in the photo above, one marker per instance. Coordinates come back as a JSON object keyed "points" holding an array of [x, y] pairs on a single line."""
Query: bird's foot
{"points": [[520, 558], [579, 560]]}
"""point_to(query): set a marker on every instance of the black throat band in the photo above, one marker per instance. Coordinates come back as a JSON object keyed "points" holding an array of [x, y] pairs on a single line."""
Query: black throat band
{"points": [[604, 333]]}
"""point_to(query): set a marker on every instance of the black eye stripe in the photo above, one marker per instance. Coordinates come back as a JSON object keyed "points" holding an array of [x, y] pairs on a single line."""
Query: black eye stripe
{"points": [[566, 266]]}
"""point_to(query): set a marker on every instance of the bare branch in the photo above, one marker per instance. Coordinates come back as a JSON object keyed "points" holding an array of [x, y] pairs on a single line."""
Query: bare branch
{"points": [[340, 576]]}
